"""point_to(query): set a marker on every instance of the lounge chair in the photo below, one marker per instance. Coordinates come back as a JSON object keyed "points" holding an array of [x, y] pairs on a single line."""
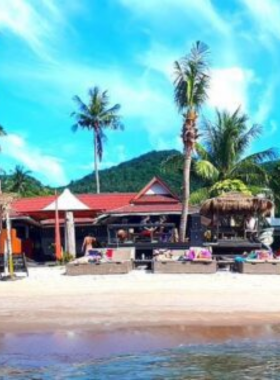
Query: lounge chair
{"points": [[258, 262], [120, 263], [175, 265]]}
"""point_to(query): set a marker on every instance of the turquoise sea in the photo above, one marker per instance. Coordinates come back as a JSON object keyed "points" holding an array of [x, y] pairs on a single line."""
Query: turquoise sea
{"points": [[60, 356]]}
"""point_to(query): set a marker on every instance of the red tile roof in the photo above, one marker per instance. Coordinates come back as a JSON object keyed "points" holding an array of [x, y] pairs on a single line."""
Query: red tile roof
{"points": [[24, 205], [96, 202], [106, 202]]}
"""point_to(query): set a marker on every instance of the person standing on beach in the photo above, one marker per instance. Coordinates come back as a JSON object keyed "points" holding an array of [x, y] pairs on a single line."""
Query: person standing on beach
{"points": [[88, 244]]}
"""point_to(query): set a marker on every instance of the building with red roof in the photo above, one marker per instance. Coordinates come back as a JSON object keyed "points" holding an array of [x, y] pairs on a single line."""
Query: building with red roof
{"points": [[34, 218]]}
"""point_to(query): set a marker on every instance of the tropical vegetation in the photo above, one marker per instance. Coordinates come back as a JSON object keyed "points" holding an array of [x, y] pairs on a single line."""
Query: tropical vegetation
{"points": [[96, 116], [23, 184], [221, 159], [191, 85], [132, 175]]}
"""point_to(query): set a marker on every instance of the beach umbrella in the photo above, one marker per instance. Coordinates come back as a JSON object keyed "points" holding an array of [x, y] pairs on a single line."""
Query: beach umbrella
{"points": [[68, 203]]}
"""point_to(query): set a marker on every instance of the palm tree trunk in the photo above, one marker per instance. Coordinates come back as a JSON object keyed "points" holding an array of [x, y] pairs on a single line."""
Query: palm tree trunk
{"points": [[96, 164], [189, 136], [186, 195]]}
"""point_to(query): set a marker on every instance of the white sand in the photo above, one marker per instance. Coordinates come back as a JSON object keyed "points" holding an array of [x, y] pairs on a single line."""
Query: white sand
{"points": [[48, 300]]}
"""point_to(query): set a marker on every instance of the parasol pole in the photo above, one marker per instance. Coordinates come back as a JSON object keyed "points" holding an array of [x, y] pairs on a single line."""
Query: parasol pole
{"points": [[57, 231], [9, 244]]}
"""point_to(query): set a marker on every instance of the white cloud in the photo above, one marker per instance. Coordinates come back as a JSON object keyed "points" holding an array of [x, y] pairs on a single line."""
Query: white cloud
{"points": [[272, 128], [17, 148], [160, 59], [199, 10], [36, 25], [266, 14], [139, 96], [266, 103], [229, 88]]}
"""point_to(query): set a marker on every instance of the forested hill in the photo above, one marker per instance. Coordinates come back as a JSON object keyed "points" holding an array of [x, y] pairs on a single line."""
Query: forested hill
{"points": [[130, 176]]}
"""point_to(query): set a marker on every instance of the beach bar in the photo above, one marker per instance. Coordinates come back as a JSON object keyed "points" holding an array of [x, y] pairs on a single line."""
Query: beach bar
{"points": [[237, 223]]}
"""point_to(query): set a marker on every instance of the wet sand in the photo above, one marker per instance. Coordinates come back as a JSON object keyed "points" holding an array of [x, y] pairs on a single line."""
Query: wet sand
{"points": [[66, 346], [50, 301]]}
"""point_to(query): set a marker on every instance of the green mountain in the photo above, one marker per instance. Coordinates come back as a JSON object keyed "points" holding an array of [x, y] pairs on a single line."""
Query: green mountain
{"points": [[130, 176]]}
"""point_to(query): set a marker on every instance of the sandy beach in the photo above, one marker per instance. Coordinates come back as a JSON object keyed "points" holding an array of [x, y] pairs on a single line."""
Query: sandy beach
{"points": [[48, 300]]}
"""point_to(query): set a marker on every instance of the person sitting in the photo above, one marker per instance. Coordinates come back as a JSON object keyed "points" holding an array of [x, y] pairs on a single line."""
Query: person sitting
{"points": [[162, 255], [250, 225], [164, 234], [121, 235], [147, 231]]}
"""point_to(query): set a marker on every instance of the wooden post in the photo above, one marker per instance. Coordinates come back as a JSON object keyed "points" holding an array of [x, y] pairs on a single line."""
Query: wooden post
{"points": [[9, 244]]}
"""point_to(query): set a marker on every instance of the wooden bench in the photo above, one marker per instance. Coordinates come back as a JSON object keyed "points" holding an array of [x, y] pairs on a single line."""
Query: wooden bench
{"points": [[121, 263], [258, 267], [181, 266], [187, 267]]}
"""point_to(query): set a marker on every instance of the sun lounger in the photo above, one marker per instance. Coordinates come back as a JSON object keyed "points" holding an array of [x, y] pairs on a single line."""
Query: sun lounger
{"points": [[120, 263], [181, 266], [258, 267]]}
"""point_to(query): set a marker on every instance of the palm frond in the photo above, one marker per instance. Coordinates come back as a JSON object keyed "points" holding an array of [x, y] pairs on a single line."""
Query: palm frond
{"points": [[206, 170], [201, 152], [265, 155], [191, 78], [174, 163], [199, 196], [2, 131], [249, 172], [83, 108], [244, 139]]}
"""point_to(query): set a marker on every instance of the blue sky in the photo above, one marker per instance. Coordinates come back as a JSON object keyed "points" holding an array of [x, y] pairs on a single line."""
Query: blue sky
{"points": [[51, 50]]}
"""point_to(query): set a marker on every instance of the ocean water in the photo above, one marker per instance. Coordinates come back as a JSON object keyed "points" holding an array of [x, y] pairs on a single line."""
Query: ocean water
{"points": [[230, 359]]}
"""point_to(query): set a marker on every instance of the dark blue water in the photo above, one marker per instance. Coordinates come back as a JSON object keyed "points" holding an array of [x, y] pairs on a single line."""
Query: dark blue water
{"points": [[233, 359]]}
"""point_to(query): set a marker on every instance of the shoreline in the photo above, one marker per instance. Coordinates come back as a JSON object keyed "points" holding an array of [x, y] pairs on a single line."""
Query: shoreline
{"points": [[185, 321], [48, 301]]}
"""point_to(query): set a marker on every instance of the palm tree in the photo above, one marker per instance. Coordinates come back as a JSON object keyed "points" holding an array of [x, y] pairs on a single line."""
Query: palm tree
{"points": [[96, 116], [20, 181], [222, 155], [191, 84], [2, 133]]}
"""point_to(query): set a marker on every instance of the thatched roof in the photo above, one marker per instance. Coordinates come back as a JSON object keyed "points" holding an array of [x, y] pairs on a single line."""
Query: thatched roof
{"points": [[235, 203]]}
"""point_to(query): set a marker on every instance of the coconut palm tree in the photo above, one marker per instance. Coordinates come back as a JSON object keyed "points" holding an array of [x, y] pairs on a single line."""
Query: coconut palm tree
{"points": [[221, 157], [95, 117], [20, 181], [191, 84], [2, 133]]}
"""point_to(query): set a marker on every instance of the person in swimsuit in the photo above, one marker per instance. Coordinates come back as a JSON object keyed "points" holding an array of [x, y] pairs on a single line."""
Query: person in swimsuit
{"points": [[88, 244]]}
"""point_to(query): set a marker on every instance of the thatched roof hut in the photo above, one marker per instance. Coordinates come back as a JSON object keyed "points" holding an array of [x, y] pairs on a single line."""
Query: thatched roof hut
{"points": [[236, 203]]}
